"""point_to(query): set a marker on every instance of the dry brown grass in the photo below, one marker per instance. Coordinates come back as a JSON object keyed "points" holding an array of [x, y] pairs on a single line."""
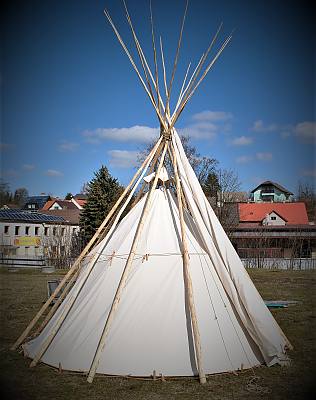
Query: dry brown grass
{"points": [[22, 294]]}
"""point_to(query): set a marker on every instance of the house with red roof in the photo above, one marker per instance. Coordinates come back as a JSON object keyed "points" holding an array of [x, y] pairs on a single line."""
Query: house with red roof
{"points": [[274, 230], [76, 203], [276, 214], [57, 204], [80, 200]]}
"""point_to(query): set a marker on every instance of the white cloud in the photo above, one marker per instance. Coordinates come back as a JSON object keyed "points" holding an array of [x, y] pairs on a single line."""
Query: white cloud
{"points": [[264, 156], [28, 167], [208, 115], [309, 172], [259, 126], [201, 130], [241, 141], [285, 134], [53, 172], [244, 159], [137, 133], [123, 158], [68, 146], [306, 131]]}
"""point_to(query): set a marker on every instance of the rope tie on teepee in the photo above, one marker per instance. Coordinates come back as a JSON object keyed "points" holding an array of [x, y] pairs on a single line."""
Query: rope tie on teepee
{"points": [[111, 258]]}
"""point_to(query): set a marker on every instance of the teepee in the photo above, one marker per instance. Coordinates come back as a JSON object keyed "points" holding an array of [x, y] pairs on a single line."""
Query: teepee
{"points": [[161, 291]]}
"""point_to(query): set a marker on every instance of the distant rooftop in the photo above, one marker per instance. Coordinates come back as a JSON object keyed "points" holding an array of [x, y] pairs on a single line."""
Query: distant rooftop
{"points": [[292, 213], [81, 196], [270, 183], [72, 216], [64, 204], [39, 201], [26, 216]]}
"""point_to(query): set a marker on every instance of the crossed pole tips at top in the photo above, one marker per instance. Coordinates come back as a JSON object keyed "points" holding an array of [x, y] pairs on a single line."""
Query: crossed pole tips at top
{"points": [[161, 104], [150, 81]]}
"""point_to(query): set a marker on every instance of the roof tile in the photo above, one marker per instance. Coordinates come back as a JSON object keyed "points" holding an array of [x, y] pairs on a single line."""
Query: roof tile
{"points": [[293, 213]]}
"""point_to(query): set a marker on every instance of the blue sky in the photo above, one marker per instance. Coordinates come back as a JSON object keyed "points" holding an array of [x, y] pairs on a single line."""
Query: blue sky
{"points": [[71, 102]]}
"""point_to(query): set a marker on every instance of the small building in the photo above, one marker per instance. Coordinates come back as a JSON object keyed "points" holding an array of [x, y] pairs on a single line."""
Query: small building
{"points": [[76, 203], [269, 191], [57, 204], [34, 203], [278, 230], [80, 200], [28, 237]]}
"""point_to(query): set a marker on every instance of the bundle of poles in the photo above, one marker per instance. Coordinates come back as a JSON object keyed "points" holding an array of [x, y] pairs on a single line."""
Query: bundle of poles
{"points": [[154, 162]]}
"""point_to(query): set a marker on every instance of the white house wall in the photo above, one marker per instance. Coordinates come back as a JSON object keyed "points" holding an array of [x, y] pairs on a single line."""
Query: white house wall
{"points": [[42, 233], [275, 220]]}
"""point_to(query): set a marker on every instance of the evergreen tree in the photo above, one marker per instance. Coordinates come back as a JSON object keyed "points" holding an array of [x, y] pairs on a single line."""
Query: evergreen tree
{"points": [[103, 191], [68, 196], [211, 186]]}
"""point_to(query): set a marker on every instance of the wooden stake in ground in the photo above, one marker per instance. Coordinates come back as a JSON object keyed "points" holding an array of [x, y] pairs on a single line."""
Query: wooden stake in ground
{"points": [[187, 277], [76, 264], [126, 270]]}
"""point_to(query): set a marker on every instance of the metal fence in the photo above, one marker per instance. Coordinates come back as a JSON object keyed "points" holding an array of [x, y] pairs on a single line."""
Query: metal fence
{"points": [[22, 261], [296, 264]]}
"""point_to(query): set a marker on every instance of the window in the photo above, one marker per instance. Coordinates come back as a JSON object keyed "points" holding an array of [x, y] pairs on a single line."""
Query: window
{"points": [[74, 230], [16, 231], [27, 230], [46, 230], [273, 218], [62, 231], [6, 229], [36, 230], [27, 249], [54, 231]]}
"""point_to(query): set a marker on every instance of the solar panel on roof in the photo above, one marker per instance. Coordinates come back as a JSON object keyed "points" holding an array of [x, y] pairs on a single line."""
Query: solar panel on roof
{"points": [[39, 200], [21, 215]]}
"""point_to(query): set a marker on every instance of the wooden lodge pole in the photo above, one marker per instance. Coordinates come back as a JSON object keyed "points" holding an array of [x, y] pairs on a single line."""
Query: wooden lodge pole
{"points": [[76, 264], [153, 164], [63, 316], [70, 302], [69, 284], [125, 274], [187, 277]]}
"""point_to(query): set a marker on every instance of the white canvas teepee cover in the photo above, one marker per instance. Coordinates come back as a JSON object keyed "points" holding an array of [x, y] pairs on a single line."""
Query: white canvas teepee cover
{"points": [[151, 330], [165, 290], [152, 327]]}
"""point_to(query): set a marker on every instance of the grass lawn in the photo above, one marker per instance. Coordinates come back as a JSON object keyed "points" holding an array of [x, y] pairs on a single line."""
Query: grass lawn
{"points": [[23, 292]]}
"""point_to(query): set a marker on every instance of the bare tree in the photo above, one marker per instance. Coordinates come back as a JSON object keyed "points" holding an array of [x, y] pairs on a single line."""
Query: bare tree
{"points": [[62, 246], [202, 165], [223, 189], [306, 193], [5, 193], [20, 196], [85, 188]]}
